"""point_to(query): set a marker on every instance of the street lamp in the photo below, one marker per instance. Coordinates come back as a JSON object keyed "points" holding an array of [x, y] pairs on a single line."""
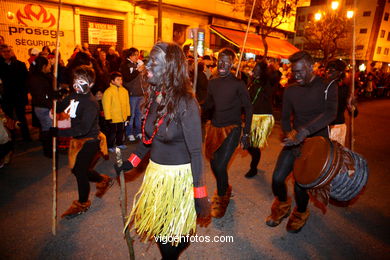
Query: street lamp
{"points": [[349, 14], [335, 5], [317, 16]]}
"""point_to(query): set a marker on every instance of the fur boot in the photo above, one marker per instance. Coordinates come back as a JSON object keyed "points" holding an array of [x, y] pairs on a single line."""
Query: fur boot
{"points": [[297, 220], [219, 204], [103, 186], [77, 208], [279, 211]]}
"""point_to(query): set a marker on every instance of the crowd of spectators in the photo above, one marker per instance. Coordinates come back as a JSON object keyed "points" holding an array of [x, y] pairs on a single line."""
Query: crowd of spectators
{"points": [[19, 83]]}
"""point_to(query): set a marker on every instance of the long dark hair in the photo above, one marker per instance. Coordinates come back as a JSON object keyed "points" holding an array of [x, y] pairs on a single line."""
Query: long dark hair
{"points": [[175, 82]]}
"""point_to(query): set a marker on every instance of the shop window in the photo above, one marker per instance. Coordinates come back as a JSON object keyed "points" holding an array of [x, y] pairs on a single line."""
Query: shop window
{"points": [[386, 52], [367, 13], [383, 33], [363, 30], [386, 18], [378, 50]]}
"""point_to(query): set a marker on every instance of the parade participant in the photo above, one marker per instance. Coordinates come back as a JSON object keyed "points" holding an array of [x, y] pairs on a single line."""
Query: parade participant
{"points": [[87, 143], [312, 102], [173, 190], [335, 70], [263, 121], [226, 96]]}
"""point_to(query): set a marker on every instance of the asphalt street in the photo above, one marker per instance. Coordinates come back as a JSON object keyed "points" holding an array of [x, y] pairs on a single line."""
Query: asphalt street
{"points": [[359, 231]]}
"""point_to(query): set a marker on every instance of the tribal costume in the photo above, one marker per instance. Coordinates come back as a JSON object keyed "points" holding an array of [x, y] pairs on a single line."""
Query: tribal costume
{"points": [[263, 121], [313, 103], [86, 146], [226, 96]]}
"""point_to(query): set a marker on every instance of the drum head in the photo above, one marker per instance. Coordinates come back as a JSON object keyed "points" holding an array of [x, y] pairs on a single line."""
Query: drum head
{"points": [[313, 162]]}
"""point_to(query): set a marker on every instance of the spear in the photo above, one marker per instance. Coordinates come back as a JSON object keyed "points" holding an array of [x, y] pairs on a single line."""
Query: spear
{"points": [[246, 36], [123, 201], [54, 162]]}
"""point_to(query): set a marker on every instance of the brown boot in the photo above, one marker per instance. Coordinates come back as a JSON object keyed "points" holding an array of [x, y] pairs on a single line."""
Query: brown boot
{"points": [[219, 203], [77, 208], [279, 211], [297, 220], [103, 186]]}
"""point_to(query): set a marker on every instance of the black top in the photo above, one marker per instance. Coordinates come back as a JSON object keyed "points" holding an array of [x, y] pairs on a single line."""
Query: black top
{"points": [[309, 107], [343, 91], [261, 92], [40, 86], [178, 143], [226, 97], [84, 119], [14, 75], [132, 78]]}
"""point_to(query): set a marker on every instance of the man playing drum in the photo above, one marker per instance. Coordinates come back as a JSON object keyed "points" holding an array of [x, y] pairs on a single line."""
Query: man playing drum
{"points": [[312, 102]]}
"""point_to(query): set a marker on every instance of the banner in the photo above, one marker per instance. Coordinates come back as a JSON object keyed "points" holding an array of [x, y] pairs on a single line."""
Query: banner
{"points": [[102, 34], [26, 25]]}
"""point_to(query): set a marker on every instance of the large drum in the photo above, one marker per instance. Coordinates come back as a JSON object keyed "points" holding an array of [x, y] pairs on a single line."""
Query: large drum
{"points": [[325, 164]]}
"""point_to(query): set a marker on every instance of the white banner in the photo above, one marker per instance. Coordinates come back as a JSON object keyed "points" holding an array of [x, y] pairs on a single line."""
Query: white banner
{"points": [[99, 33]]}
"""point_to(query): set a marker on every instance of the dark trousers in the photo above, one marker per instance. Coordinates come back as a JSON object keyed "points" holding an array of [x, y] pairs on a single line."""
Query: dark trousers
{"points": [[18, 110], [221, 160], [115, 134], [170, 252], [255, 154], [283, 168], [83, 168]]}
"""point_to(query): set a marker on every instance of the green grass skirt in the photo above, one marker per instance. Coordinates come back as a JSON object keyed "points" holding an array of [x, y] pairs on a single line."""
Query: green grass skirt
{"points": [[164, 205], [260, 129]]}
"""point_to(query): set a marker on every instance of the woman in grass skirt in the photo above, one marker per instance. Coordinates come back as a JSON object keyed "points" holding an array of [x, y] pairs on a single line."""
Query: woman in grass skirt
{"points": [[261, 92], [173, 192]]}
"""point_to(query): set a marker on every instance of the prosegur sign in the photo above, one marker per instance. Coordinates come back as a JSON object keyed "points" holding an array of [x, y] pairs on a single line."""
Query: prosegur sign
{"points": [[27, 25]]}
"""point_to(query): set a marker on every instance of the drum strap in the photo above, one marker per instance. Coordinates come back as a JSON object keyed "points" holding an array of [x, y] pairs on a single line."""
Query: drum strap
{"points": [[326, 97], [327, 88]]}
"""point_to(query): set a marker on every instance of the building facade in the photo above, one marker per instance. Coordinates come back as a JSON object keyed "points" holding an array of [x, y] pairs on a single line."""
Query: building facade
{"points": [[372, 30], [124, 24]]}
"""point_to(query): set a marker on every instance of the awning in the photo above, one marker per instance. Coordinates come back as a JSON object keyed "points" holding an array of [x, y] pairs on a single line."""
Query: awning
{"points": [[277, 48]]}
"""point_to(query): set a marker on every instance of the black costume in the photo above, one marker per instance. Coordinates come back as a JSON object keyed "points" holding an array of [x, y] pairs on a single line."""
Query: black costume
{"points": [[226, 96], [85, 145], [174, 143], [261, 92], [175, 167], [314, 107]]}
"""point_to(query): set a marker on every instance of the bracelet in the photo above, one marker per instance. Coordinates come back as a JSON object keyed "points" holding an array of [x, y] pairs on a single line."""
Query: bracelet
{"points": [[200, 192], [134, 160]]}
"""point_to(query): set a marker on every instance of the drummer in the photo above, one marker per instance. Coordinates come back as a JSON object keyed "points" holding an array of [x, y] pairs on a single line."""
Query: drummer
{"points": [[312, 102]]}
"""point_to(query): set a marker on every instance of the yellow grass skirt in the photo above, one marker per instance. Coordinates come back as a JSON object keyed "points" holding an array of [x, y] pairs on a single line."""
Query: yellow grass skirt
{"points": [[164, 205], [260, 129]]}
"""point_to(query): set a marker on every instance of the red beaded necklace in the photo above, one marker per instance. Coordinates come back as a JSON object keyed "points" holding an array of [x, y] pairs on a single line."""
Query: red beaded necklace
{"points": [[149, 141]]}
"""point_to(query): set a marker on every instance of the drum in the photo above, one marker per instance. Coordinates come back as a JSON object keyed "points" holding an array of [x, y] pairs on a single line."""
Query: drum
{"points": [[325, 164]]}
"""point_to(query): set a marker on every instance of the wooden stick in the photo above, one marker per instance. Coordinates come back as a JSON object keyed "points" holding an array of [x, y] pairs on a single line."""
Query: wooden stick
{"points": [[54, 162], [123, 201], [246, 36]]}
